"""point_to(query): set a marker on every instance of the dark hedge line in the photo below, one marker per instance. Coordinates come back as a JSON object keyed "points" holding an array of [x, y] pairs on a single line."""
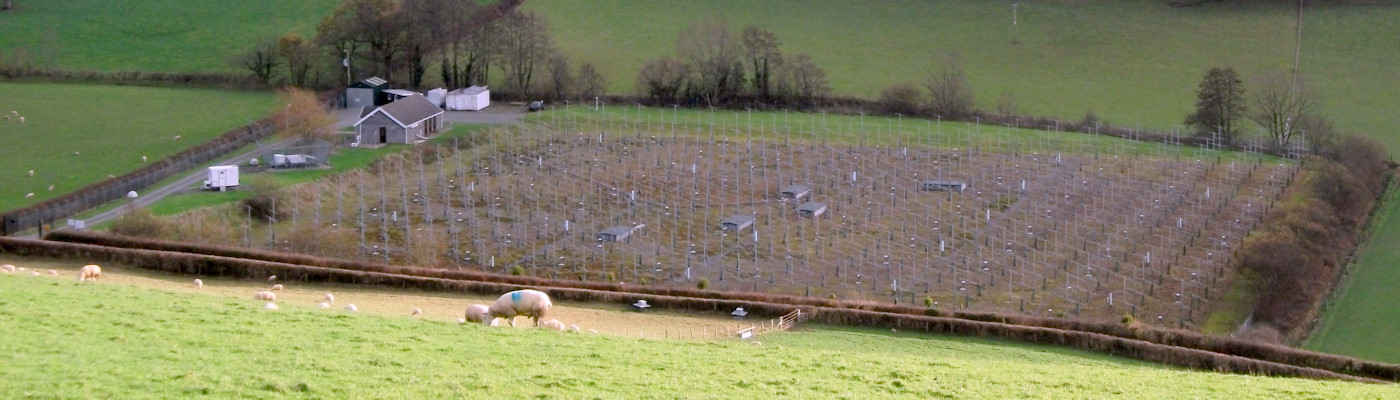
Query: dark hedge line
{"points": [[199, 264], [1166, 337]]}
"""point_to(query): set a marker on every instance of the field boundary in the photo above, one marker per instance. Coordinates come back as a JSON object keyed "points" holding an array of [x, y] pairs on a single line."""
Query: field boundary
{"points": [[1247, 357]]}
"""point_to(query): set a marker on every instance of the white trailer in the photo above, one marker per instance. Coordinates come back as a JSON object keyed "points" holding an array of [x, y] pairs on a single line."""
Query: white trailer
{"points": [[222, 177]]}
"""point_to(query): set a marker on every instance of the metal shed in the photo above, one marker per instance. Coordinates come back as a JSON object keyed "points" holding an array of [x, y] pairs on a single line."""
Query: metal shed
{"points": [[438, 96], [811, 209], [616, 233], [475, 98], [795, 192], [396, 94], [950, 186], [737, 222], [369, 92]]}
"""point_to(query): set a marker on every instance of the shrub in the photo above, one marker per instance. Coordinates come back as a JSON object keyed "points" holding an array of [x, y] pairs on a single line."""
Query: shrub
{"points": [[140, 222], [703, 284], [928, 301], [612, 277], [517, 271], [901, 98]]}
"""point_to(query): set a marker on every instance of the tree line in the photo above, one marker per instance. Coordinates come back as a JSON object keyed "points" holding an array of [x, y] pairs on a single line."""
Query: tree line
{"points": [[715, 65]]}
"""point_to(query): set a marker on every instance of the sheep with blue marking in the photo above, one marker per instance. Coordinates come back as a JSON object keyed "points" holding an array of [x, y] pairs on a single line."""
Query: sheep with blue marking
{"points": [[528, 303]]}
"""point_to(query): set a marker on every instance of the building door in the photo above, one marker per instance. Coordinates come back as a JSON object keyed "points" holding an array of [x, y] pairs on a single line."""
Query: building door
{"points": [[383, 135]]}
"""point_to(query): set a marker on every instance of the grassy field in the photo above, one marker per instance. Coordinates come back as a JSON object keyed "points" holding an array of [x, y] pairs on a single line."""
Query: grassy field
{"points": [[152, 36], [1363, 310], [1131, 62], [159, 343], [110, 126]]}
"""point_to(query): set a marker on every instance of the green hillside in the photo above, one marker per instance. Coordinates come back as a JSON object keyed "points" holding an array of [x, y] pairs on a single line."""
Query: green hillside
{"points": [[67, 339]]}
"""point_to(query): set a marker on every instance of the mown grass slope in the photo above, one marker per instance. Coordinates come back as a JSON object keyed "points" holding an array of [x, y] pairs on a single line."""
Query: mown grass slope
{"points": [[151, 36], [108, 127], [1363, 317], [62, 338], [1132, 62]]}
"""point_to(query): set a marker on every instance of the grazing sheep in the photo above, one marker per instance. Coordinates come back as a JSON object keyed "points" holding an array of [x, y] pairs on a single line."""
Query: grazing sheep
{"points": [[528, 303], [265, 295], [272, 278], [21, 119], [143, 158], [50, 187], [329, 298], [77, 153], [553, 324], [52, 272], [33, 273], [7, 118], [277, 287], [416, 312], [270, 306], [574, 328], [198, 284], [351, 307], [90, 271], [7, 268], [177, 137], [31, 172], [476, 313], [325, 305], [29, 196]]}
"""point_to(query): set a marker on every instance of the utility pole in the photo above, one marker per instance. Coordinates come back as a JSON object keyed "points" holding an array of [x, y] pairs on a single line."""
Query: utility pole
{"points": [[1297, 45], [1015, 28]]}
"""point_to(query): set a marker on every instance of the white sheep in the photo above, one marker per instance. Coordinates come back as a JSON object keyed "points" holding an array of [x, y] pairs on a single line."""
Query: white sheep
{"points": [[461, 320], [21, 119], [33, 273], [574, 328], [177, 137], [50, 187], [143, 158], [527, 302], [325, 305], [272, 278], [552, 324], [476, 313], [270, 306], [31, 172], [198, 284], [52, 272], [329, 298], [416, 312], [29, 196], [90, 271], [7, 268], [277, 287], [265, 295], [351, 307]]}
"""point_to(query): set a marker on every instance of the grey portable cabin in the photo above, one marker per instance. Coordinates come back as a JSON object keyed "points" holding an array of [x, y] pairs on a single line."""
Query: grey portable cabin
{"points": [[795, 192], [616, 233], [408, 120], [369, 92], [811, 209], [737, 222], [947, 186]]}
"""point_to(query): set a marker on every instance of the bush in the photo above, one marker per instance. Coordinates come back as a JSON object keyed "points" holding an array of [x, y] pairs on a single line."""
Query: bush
{"points": [[901, 98], [142, 223], [703, 284], [517, 271], [263, 205]]}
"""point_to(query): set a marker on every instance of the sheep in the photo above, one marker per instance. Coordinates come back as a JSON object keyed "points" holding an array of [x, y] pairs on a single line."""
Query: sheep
{"points": [[31, 172], [52, 272], [143, 158], [270, 306], [21, 119], [272, 278], [29, 196], [329, 298], [574, 328], [277, 287], [198, 284], [552, 324], [177, 137], [325, 305], [265, 295], [90, 271], [461, 320], [33, 273], [476, 313], [351, 307], [530, 303], [50, 187], [7, 118], [416, 312], [7, 268]]}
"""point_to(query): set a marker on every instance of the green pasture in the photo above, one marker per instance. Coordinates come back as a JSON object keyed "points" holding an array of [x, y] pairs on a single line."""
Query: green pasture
{"points": [[149, 36], [77, 135], [65, 339], [1132, 62], [1363, 318]]}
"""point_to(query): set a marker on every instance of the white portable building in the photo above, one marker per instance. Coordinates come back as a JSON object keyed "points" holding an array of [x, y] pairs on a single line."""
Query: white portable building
{"points": [[438, 97], [222, 177], [475, 98]]}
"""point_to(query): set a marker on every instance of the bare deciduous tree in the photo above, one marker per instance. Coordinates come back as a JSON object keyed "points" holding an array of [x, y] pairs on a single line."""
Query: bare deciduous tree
{"points": [[950, 92], [1280, 107], [590, 81], [561, 79], [525, 45], [298, 55], [371, 30], [802, 80], [712, 51], [260, 60], [662, 79]]}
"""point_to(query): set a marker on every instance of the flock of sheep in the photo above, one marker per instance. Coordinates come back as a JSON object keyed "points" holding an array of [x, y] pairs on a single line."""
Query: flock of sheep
{"points": [[528, 303]]}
